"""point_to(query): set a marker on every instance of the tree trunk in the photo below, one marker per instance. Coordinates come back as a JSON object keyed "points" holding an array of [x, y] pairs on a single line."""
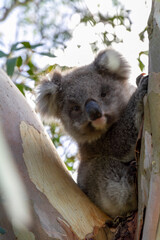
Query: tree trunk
{"points": [[149, 169], [154, 37], [60, 210]]}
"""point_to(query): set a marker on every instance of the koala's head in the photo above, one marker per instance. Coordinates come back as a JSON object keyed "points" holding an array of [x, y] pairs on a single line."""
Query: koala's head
{"points": [[89, 99]]}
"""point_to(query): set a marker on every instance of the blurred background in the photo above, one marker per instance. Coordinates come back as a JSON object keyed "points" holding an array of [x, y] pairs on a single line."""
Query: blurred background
{"points": [[37, 36]]}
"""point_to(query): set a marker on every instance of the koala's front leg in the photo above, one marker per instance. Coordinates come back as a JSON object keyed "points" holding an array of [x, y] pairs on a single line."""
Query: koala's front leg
{"points": [[127, 127], [134, 110], [142, 83]]}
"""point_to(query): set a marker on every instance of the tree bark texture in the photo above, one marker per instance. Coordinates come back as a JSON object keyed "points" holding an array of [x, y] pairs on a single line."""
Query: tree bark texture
{"points": [[154, 37], [149, 169], [149, 165], [60, 210]]}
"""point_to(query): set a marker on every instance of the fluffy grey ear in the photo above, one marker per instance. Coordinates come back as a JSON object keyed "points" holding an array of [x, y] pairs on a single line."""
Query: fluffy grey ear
{"points": [[110, 61], [47, 95]]}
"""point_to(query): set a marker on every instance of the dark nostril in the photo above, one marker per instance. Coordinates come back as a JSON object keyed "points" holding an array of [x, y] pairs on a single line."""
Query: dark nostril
{"points": [[93, 110]]}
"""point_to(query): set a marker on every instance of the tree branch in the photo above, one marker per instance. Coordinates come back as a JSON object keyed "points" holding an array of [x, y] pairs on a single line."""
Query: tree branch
{"points": [[52, 192]]}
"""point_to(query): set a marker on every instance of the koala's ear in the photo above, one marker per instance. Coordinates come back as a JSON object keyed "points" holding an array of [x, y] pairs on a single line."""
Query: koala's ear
{"points": [[110, 61], [47, 94]]}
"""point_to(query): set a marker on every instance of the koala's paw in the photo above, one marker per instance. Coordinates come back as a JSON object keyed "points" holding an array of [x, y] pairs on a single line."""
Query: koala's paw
{"points": [[142, 83]]}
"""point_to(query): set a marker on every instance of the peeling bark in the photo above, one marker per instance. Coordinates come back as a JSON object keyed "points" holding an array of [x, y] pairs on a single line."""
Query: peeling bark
{"points": [[51, 177]]}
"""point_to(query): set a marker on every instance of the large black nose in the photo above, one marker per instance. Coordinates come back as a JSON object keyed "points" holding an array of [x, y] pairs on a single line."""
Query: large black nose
{"points": [[93, 110]]}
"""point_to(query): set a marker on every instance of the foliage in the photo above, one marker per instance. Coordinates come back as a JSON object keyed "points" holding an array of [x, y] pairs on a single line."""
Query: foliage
{"points": [[52, 30], [141, 65], [2, 231], [23, 60], [142, 34], [57, 135]]}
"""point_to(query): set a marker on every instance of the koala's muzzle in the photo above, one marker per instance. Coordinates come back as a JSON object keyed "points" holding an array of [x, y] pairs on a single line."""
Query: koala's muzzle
{"points": [[93, 110]]}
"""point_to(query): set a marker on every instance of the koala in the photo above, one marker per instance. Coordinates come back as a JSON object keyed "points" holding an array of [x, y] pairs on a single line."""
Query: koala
{"points": [[102, 111]]}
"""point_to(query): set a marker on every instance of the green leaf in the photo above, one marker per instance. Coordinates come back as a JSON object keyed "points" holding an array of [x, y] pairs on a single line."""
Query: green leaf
{"points": [[51, 67], [69, 168], [30, 72], [2, 231], [88, 18], [2, 54], [143, 52], [142, 34], [141, 65], [71, 159], [22, 87], [33, 46], [36, 45], [19, 61], [11, 63], [26, 44], [14, 46], [69, 163], [48, 54]]}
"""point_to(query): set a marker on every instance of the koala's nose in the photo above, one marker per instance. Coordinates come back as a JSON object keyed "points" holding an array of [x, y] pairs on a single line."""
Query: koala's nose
{"points": [[93, 110]]}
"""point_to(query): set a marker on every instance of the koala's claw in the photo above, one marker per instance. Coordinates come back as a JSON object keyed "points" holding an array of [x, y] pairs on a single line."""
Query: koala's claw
{"points": [[140, 78], [121, 220], [118, 220], [142, 81]]}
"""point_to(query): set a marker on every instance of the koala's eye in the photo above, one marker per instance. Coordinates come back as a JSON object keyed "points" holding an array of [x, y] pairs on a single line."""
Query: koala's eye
{"points": [[105, 91], [76, 108], [103, 94]]}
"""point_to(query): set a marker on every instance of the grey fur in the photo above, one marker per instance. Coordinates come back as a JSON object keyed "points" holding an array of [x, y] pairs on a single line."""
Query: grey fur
{"points": [[106, 172]]}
